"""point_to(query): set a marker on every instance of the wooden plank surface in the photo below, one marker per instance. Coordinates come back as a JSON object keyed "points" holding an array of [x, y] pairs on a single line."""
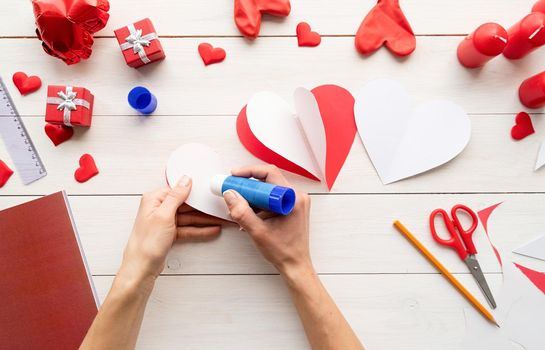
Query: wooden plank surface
{"points": [[215, 17], [491, 163], [389, 293]]}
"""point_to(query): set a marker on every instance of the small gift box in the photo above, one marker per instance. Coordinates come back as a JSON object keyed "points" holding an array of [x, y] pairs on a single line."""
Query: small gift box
{"points": [[69, 105], [139, 43]]}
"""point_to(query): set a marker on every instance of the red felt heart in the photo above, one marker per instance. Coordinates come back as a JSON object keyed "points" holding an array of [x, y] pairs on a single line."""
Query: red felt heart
{"points": [[210, 54], [306, 37], [523, 126], [336, 107], [87, 168], [386, 25], [248, 14], [5, 173], [26, 84], [58, 133]]}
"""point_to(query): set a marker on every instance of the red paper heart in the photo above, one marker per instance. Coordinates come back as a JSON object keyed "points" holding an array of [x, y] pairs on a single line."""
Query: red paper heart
{"points": [[5, 173], [210, 54], [306, 37], [26, 84], [523, 126], [58, 133], [248, 14], [87, 168], [386, 25], [536, 277], [336, 107]]}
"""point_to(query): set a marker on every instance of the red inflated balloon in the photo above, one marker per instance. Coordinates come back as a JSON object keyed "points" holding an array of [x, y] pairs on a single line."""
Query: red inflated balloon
{"points": [[66, 27], [248, 14]]}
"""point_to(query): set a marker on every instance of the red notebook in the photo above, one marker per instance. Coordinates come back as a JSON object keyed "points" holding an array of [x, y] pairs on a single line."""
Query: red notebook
{"points": [[47, 298]]}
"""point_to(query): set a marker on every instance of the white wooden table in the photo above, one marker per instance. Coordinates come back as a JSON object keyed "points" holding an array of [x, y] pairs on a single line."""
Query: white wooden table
{"points": [[223, 295]]}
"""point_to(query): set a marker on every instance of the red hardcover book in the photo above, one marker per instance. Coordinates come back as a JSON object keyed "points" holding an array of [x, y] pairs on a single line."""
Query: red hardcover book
{"points": [[47, 298]]}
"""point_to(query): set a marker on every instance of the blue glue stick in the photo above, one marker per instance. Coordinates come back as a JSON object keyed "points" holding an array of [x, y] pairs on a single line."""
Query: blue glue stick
{"points": [[142, 100], [262, 195]]}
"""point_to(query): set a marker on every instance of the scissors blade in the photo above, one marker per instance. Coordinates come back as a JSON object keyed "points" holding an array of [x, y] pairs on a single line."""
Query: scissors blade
{"points": [[475, 268]]}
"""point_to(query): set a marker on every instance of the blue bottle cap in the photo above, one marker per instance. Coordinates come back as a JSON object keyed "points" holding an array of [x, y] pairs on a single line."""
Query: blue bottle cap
{"points": [[282, 200], [142, 100]]}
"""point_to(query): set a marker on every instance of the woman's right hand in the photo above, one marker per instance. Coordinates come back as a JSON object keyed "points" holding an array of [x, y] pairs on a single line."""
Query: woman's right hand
{"points": [[283, 240]]}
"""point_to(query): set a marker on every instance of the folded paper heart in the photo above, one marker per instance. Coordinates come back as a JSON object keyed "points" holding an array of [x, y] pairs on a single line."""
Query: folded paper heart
{"points": [[5, 173], [386, 25], [523, 126], [314, 144], [26, 84], [188, 160], [306, 37], [87, 168], [403, 141], [58, 133], [248, 14], [210, 54]]}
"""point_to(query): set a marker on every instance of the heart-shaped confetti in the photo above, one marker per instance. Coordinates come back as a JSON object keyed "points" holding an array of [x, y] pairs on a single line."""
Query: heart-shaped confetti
{"points": [[26, 84], [211, 54], [58, 133], [306, 37], [5, 173], [87, 168], [523, 126]]}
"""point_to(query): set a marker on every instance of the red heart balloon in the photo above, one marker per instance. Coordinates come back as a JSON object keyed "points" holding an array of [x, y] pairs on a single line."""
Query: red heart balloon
{"points": [[210, 54], [5, 173], [386, 25], [523, 126], [66, 27], [87, 168], [306, 37], [26, 84], [336, 106], [248, 14], [58, 133]]}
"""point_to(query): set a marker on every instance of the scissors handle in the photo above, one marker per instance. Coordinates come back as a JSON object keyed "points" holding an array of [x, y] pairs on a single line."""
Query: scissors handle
{"points": [[454, 241], [466, 235]]}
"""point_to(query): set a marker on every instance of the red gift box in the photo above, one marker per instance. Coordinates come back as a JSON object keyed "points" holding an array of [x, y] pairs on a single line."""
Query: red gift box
{"points": [[69, 105], [139, 43]]}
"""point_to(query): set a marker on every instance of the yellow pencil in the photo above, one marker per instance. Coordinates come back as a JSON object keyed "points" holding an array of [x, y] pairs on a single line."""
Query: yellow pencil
{"points": [[445, 272]]}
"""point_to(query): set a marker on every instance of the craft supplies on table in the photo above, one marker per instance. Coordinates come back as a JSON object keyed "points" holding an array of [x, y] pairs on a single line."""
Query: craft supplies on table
{"points": [[461, 240], [17, 140], [262, 195], [437, 264]]}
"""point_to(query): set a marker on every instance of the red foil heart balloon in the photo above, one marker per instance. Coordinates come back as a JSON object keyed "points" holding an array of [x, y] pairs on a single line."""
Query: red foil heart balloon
{"points": [[66, 27], [386, 25], [248, 14], [87, 168]]}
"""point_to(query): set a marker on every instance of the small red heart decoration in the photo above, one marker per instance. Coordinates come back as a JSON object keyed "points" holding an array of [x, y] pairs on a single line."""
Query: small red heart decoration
{"points": [[306, 37], [87, 168], [248, 14], [26, 84], [523, 126], [386, 25], [211, 54], [5, 173], [58, 133]]}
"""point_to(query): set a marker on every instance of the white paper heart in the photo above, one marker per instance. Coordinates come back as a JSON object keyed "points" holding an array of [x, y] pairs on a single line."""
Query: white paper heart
{"points": [[201, 163], [403, 141], [274, 123]]}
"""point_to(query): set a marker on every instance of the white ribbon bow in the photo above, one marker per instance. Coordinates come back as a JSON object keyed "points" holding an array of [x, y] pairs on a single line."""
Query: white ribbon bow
{"points": [[136, 41], [67, 102]]}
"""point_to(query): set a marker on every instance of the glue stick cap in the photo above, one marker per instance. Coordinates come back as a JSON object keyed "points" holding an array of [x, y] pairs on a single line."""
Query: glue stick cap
{"points": [[282, 200], [142, 100], [216, 184]]}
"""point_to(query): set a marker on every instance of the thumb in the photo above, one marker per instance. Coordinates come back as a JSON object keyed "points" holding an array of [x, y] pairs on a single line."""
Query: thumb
{"points": [[176, 196], [241, 212]]}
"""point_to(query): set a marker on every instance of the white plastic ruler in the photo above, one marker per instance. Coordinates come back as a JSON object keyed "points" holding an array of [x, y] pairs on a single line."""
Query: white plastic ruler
{"points": [[17, 141]]}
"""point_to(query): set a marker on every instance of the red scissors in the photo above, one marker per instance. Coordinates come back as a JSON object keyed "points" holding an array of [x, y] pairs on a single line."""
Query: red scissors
{"points": [[461, 240]]}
